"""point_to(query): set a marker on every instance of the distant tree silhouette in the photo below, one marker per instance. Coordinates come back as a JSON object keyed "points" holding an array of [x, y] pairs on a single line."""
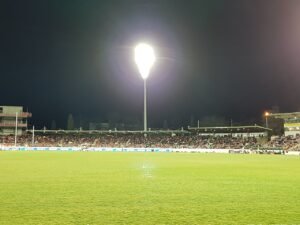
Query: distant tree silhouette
{"points": [[70, 122], [113, 119], [53, 125], [211, 121], [165, 124], [192, 121]]}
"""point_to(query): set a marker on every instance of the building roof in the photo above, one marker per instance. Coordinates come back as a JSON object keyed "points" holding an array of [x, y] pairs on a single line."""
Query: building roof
{"points": [[290, 115], [111, 131], [231, 129]]}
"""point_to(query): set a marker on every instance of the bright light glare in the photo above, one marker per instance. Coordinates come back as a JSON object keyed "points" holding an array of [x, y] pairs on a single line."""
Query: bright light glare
{"points": [[144, 58]]}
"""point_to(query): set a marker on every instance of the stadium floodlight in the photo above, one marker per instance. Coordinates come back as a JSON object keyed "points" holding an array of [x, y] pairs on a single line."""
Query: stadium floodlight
{"points": [[144, 58], [267, 114]]}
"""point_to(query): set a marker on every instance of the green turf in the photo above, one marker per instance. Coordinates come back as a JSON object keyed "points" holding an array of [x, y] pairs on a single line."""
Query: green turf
{"points": [[148, 188]]}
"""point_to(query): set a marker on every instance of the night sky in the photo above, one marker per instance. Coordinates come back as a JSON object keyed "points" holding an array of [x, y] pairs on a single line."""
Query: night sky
{"points": [[231, 58]]}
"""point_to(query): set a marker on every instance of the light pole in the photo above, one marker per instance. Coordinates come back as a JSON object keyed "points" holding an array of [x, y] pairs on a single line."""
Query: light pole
{"points": [[267, 114], [16, 129], [144, 58]]}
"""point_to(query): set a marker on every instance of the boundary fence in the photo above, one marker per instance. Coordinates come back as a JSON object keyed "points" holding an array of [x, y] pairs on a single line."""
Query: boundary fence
{"points": [[109, 149]]}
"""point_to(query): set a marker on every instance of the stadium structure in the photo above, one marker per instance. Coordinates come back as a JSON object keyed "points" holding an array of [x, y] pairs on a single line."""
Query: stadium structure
{"points": [[234, 131], [253, 137], [13, 120], [291, 122]]}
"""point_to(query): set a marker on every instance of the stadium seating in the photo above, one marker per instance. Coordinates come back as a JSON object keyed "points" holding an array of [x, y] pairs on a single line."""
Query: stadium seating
{"points": [[153, 140]]}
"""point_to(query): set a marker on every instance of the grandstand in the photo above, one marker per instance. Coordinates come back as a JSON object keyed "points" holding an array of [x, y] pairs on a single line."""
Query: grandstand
{"points": [[115, 131], [234, 131], [291, 122], [251, 138], [220, 137], [13, 120]]}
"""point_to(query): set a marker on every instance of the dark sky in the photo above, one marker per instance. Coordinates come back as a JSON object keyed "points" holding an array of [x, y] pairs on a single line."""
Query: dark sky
{"points": [[231, 58]]}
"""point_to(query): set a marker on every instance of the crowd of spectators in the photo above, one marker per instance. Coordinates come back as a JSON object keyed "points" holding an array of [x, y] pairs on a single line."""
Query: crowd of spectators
{"points": [[152, 140], [287, 143]]}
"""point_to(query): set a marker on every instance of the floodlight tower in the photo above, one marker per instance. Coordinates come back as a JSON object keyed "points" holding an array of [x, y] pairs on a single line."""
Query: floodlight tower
{"points": [[267, 114], [144, 58]]}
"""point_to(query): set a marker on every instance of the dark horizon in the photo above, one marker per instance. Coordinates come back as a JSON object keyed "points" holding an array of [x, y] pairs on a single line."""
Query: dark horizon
{"points": [[232, 59]]}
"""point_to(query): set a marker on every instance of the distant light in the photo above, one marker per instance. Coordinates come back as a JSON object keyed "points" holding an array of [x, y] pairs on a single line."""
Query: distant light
{"points": [[267, 114], [144, 58]]}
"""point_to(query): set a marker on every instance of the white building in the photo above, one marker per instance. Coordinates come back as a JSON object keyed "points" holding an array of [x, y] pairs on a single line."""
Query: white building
{"points": [[13, 118], [291, 122]]}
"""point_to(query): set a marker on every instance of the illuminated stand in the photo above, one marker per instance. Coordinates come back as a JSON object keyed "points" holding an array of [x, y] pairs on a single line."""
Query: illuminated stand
{"points": [[291, 122]]}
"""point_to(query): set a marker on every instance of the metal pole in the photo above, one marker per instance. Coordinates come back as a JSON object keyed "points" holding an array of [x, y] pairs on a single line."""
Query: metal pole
{"points": [[267, 124], [145, 106], [16, 130], [32, 135], [198, 123]]}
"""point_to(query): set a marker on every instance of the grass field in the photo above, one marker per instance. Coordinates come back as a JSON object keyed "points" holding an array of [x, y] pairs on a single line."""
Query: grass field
{"points": [[148, 188]]}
